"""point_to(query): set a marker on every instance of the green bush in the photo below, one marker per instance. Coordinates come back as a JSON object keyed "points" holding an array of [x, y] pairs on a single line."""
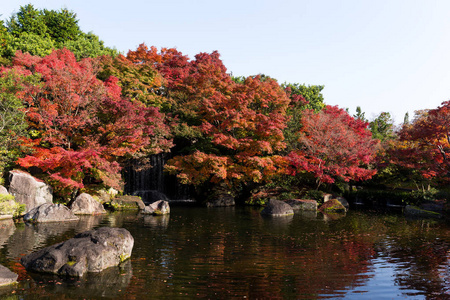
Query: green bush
{"points": [[8, 206]]}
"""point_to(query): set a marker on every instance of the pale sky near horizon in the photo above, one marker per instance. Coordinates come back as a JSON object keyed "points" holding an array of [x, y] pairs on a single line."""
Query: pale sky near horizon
{"points": [[384, 55]]}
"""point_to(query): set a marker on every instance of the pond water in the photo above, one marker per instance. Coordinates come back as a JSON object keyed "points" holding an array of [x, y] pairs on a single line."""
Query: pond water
{"points": [[231, 253]]}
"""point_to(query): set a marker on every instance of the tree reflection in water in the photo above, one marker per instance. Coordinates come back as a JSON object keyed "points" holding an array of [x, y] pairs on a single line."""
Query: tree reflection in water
{"points": [[236, 253]]}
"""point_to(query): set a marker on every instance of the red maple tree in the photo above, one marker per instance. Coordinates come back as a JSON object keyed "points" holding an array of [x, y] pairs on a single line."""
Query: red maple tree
{"points": [[81, 127], [333, 145]]}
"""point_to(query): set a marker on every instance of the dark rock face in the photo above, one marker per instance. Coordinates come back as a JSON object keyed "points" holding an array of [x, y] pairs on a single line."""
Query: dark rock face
{"points": [[303, 205], [157, 208], [50, 213], [128, 203], [85, 204], [277, 208], [29, 190], [6, 276], [90, 251]]}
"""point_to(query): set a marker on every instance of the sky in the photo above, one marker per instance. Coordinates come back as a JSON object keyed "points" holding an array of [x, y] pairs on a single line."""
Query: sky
{"points": [[384, 55]]}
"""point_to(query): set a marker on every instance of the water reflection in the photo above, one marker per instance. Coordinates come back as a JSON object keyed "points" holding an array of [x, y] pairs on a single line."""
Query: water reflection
{"points": [[7, 228], [29, 237], [110, 283], [236, 253], [156, 221]]}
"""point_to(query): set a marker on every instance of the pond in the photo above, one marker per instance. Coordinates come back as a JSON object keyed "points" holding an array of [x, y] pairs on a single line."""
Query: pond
{"points": [[231, 253]]}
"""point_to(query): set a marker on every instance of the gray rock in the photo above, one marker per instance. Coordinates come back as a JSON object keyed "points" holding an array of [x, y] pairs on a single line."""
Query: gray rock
{"points": [[85, 204], [90, 251], [50, 213], [127, 203], [7, 277], [277, 208], [3, 190], [29, 190], [303, 205], [344, 202], [150, 196], [157, 208]]}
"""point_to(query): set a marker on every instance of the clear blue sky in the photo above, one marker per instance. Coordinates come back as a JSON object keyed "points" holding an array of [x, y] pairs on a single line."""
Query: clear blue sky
{"points": [[383, 55]]}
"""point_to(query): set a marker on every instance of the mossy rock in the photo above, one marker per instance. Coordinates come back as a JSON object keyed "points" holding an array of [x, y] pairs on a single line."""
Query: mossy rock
{"points": [[333, 206], [127, 203]]}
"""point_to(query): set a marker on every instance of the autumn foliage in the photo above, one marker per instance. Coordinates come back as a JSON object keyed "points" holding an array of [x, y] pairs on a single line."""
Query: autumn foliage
{"points": [[80, 127], [424, 145], [333, 145]]}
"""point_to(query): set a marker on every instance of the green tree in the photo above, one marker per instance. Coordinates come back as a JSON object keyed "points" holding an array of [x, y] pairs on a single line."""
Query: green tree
{"points": [[33, 44], [38, 32], [312, 94], [382, 127], [12, 114], [29, 20], [88, 45], [360, 114], [302, 97], [61, 25], [5, 41]]}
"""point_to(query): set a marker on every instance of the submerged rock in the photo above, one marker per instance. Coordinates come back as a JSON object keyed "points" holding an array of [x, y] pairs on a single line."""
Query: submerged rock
{"points": [[29, 190], [7, 277], [277, 208], [157, 208], [90, 251], [50, 213], [85, 204]]}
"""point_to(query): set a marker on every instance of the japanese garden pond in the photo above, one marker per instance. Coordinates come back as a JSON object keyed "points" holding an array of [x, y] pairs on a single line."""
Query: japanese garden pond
{"points": [[223, 253]]}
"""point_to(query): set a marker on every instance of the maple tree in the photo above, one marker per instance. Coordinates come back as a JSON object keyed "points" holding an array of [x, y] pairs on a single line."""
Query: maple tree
{"points": [[424, 144], [81, 127], [333, 145], [225, 131], [242, 128]]}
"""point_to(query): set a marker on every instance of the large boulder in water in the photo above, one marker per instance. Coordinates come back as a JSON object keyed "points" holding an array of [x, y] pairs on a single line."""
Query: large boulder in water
{"points": [[157, 208], [85, 204], [6, 276], [90, 251], [29, 190], [50, 213], [277, 208]]}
